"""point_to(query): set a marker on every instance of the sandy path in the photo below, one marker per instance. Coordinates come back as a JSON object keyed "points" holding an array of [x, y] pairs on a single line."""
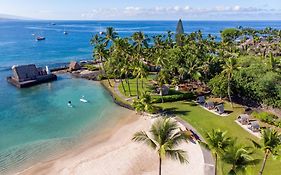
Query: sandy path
{"points": [[113, 153]]}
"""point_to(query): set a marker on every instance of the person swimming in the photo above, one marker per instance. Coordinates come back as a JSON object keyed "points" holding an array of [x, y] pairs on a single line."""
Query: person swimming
{"points": [[69, 104]]}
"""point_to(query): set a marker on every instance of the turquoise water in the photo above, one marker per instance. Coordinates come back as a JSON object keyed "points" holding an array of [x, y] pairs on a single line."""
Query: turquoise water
{"points": [[37, 121]]}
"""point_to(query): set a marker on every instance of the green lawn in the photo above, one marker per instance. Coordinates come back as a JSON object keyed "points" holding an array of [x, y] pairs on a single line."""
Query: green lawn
{"points": [[133, 86], [204, 121]]}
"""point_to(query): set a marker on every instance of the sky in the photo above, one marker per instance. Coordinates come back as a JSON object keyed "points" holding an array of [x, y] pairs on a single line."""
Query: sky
{"points": [[144, 9]]}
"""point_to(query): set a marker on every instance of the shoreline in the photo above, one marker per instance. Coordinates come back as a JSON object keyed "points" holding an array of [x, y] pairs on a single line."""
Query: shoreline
{"points": [[113, 152]]}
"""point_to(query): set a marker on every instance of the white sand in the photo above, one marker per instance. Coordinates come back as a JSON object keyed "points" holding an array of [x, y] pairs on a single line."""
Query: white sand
{"points": [[113, 153]]}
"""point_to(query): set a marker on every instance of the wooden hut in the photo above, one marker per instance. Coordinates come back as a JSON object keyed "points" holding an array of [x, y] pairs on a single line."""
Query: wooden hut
{"points": [[200, 99], [29, 75], [209, 105], [220, 109], [73, 66], [243, 119], [165, 90], [254, 126]]}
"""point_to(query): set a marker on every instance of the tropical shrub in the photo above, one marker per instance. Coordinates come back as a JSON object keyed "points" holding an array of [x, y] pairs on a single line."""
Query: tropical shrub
{"points": [[268, 118], [230, 34], [218, 85], [172, 98], [91, 67]]}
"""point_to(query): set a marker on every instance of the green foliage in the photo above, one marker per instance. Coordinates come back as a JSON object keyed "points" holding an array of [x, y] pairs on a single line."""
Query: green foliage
{"points": [[144, 103], [268, 118], [91, 67], [230, 34], [172, 98], [255, 81], [100, 77], [218, 85]]}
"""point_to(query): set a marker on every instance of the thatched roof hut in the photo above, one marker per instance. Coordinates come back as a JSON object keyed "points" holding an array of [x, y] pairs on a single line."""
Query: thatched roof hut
{"points": [[243, 119], [220, 109], [254, 126], [200, 99], [165, 90], [74, 66], [209, 105]]}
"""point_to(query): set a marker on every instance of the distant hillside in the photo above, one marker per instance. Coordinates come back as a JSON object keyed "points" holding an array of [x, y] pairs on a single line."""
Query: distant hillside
{"points": [[11, 17]]}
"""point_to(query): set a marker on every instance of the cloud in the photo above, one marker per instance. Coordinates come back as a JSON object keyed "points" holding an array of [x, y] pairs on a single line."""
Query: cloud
{"points": [[159, 12]]}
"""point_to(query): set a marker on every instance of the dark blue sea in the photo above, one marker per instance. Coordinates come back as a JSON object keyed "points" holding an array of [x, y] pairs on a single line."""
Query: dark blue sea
{"points": [[37, 121]]}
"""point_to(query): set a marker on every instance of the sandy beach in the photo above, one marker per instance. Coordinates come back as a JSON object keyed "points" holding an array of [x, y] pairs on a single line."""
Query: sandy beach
{"points": [[113, 153]]}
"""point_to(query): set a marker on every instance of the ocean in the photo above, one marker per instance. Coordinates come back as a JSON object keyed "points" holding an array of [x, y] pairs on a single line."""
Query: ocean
{"points": [[37, 120]]}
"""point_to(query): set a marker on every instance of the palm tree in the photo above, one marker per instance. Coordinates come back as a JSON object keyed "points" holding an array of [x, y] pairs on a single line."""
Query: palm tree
{"points": [[239, 157], [139, 41], [101, 53], [164, 136], [217, 142], [161, 79], [270, 144], [229, 68], [144, 104], [110, 35]]}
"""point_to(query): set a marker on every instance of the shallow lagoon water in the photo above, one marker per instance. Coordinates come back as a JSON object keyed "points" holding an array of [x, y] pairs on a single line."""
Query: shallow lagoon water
{"points": [[37, 123]]}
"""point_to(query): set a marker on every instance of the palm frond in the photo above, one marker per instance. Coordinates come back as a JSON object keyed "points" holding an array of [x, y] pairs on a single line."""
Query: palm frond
{"points": [[177, 155], [143, 137]]}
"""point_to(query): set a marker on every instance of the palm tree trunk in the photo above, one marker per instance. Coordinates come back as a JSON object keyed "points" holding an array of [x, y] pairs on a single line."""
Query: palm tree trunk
{"points": [[229, 93], [123, 86], [137, 88], [264, 161], [216, 163], [106, 74], [129, 87], [160, 164]]}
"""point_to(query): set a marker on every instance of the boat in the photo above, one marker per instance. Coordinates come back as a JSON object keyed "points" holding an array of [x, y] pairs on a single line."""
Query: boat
{"points": [[40, 38], [65, 33], [53, 24], [83, 100]]}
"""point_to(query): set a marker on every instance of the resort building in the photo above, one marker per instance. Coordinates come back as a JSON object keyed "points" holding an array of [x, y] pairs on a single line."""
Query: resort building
{"points": [[29, 75]]}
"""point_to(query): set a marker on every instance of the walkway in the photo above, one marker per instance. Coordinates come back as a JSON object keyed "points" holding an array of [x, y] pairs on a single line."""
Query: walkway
{"points": [[208, 158], [116, 90]]}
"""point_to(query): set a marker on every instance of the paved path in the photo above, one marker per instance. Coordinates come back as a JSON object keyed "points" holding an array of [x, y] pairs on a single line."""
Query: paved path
{"points": [[208, 158], [116, 89]]}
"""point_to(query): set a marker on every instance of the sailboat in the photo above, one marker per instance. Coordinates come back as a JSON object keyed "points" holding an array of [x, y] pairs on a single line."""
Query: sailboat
{"points": [[100, 31], [40, 38], [65, 32]]}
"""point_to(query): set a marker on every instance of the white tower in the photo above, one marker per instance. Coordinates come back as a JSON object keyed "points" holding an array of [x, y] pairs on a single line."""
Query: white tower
{"points": [[47, 70]]}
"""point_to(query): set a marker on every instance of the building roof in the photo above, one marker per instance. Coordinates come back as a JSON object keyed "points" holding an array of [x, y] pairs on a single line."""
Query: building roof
{"points": [[179, 29], [255, 124], [74, 65], [25, 71]]}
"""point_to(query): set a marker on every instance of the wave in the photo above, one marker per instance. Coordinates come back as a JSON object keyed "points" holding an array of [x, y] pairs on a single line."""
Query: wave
{"points": [[4, 43]]}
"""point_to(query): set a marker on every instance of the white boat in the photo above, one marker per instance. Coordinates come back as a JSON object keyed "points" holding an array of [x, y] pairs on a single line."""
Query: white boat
{"points": [[83, 100]]}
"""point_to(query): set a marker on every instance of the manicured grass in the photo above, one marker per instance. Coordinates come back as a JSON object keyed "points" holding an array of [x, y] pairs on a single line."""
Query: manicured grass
{"points": [[205, 121], [133, 86]]}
